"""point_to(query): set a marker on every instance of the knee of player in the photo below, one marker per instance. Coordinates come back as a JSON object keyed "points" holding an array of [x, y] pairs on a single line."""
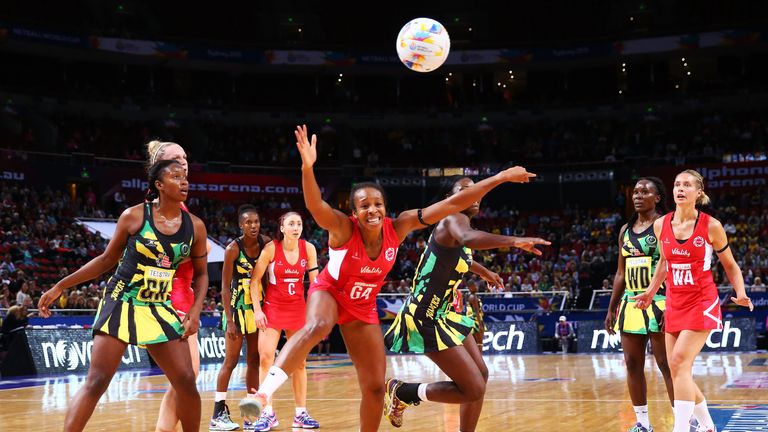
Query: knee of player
{"points": [[676, 362], [663, 365], [97, 382], [635, 365], [253, 360], [474, 391], [484, 372], [267, 359], [374, 388], [318, 328]]}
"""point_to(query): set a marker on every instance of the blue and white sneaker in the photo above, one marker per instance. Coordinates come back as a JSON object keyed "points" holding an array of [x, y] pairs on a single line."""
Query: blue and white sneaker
{"points": [[265, 422], [639, 428], [223, 422], [305, 421]]}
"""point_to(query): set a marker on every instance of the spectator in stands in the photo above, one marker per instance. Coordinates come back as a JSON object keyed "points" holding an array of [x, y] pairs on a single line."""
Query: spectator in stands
{"points": [[758, 285], [564, 333], [16, 320], [22, 297]]}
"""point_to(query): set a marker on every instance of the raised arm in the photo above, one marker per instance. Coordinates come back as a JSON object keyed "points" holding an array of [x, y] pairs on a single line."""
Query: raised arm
{"points": [[409, 221], [129, 222], [618, 285], [459, 228], [335, 222], [719, 240]]}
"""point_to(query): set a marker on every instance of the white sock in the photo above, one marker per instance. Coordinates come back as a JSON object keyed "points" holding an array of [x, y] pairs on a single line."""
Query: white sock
{"points": [[701, 412], [683, 412], [641, 412], [275, 378], [300, 411], [268, 409], [220, 396], [422, 391]]}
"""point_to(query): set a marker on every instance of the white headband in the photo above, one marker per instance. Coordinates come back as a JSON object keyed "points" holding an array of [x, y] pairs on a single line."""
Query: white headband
{"points": [[160, 148]]}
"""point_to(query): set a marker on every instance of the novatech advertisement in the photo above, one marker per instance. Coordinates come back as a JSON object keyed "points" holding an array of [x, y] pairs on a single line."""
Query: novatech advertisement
{"points": [[212, 345], [69, 351], [511, 338], [738, 334]]}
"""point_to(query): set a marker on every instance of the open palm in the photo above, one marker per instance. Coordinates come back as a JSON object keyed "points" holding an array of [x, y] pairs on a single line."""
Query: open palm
{"points": [[307, 148]]}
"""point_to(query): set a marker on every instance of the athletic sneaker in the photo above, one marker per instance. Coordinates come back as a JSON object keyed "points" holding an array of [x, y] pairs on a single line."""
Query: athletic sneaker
{"points": [[696, 427], [266, 422], [251, 405], [394, 407], [639, 428], [305, 421], [223, 422]]}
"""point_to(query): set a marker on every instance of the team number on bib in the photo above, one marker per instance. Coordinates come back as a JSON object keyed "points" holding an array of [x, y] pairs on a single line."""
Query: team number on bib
{"points": [[681, 274], [360, 291], [157, 283]]}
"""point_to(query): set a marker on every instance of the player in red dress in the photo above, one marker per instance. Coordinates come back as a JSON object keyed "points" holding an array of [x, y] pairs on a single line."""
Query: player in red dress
{"points": [[688, 239], [286, 261], [362, 250]]}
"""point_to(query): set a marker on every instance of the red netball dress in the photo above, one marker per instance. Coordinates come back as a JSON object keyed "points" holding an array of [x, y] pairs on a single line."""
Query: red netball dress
{"points": [[354, 279], [182, 294], [284, 299], [692, 299]]}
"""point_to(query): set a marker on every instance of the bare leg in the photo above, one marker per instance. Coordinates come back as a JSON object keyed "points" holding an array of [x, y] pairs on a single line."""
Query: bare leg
{"points": [[660, 354], [365, 345], [634, 356], [298, 379], [173, 358], [322, 314], [268, 340], [168, 418], [105, 359], [232, 347], [252, 361], [470, 412]]}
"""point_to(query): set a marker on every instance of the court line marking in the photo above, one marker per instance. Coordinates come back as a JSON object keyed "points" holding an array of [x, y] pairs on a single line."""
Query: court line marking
{"points": [[728, 401]]}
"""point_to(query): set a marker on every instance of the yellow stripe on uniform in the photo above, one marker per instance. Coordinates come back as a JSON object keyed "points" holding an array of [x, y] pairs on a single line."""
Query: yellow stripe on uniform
{"points": [[122, 331], [147, 327], [140, 248]]}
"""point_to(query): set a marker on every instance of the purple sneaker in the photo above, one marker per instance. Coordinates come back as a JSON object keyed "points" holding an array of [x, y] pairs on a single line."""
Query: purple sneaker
{"points": [[265, 422], [305, 421]]}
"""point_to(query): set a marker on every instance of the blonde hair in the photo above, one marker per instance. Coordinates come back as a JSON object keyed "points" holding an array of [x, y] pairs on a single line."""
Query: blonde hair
{"points": [[703, 199], [155, 150]]}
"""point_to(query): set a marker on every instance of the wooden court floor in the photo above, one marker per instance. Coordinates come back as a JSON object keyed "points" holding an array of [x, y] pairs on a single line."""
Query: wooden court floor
{"points": [[540, 393]]}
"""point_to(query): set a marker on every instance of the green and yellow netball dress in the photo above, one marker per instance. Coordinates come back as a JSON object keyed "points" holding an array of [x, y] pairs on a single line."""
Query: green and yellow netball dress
{"points": [[136, 307], [240, 299], [476, 317], [427, 322], [641, 253]]}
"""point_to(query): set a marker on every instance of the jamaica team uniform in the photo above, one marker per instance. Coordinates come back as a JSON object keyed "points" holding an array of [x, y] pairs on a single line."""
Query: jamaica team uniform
{"points": [[476, 316], [641, 254], [136, 306], [241, 303], [427, 322]]}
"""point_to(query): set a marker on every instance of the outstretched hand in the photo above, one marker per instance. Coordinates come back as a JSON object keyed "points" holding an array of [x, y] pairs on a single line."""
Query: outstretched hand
{"points": [[307, 148], [743, 300], [516, 174], [529, 244], [43, 305]]}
